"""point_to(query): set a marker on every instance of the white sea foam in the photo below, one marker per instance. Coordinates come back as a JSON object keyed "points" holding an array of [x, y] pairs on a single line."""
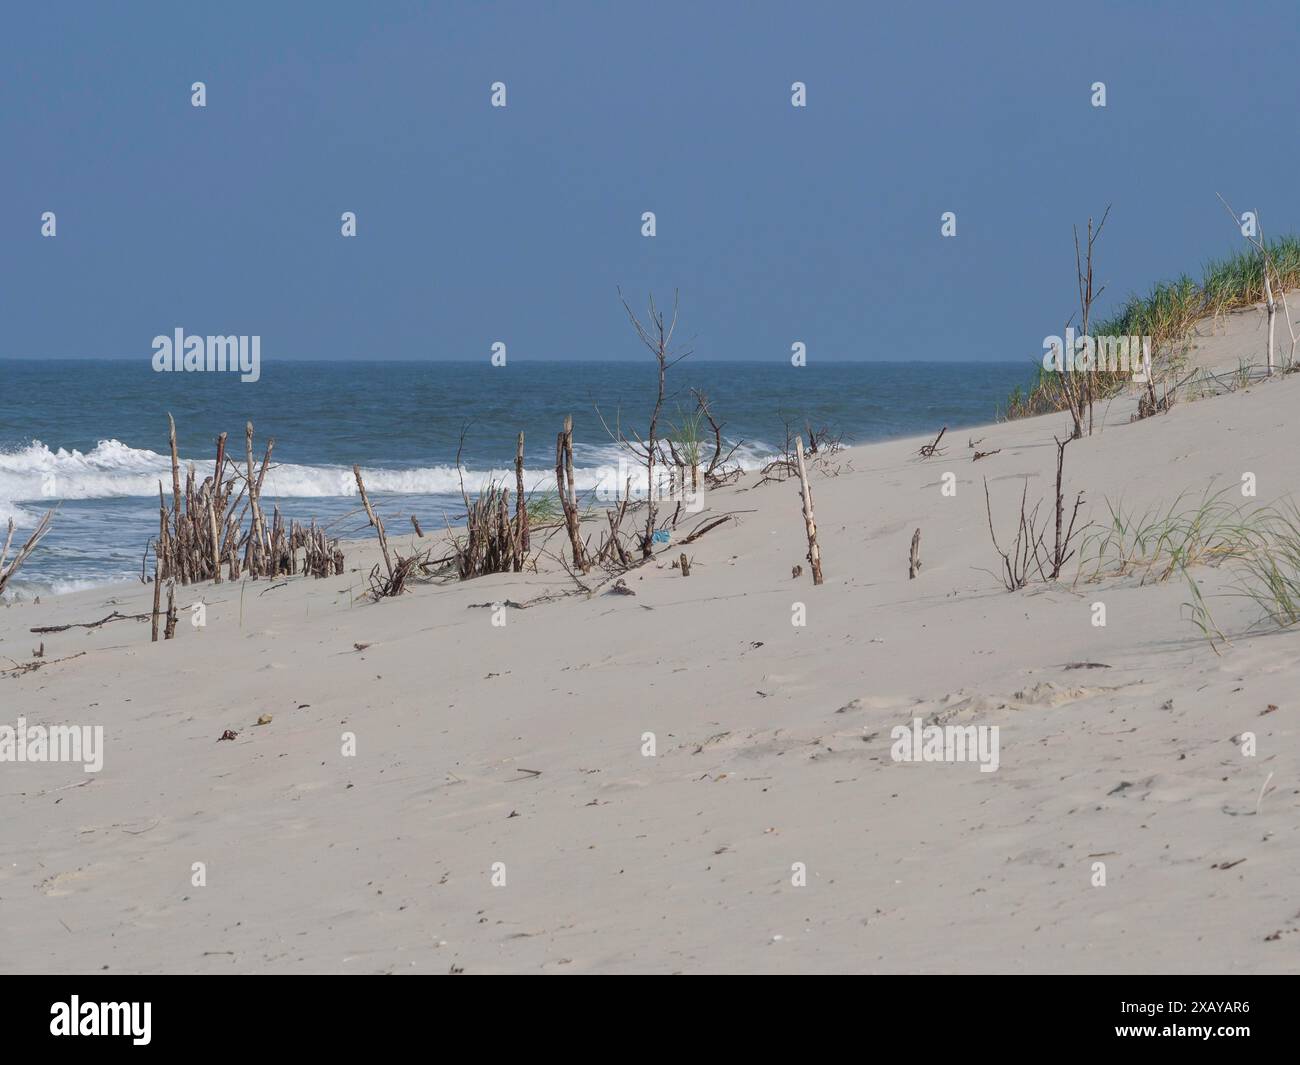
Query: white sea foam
{"points": [[35, 474]]}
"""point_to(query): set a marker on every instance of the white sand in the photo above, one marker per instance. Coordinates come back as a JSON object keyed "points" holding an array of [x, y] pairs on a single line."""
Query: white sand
{"points": [[773, 748]]}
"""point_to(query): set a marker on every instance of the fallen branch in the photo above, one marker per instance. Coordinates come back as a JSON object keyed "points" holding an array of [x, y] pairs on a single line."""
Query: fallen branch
{"points": [[114, 616]]}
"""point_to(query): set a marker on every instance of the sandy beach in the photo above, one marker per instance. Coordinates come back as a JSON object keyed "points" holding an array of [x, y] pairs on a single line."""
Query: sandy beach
{"points": [[441, 785]]}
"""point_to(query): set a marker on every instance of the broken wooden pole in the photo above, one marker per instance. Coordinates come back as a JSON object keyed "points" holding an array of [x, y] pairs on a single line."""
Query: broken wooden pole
{"points": [[374, 520], [809, 519], [169, 631], [914, 566], [568, 496], [521, 506], [157, 595], [615, 543], [216, 542], [255, 527]]}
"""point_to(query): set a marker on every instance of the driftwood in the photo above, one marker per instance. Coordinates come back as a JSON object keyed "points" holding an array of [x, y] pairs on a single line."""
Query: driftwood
{"points": [[114, 616], [169, 630], [522, 539], [8, 569], [914, 564], [568, 495], [930, 450], [157, 596], [809, 520], [375, 520], [399, 572], [203, 535]]}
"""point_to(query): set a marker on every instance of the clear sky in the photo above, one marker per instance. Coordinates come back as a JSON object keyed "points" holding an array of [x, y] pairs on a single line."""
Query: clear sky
{"points": [[479, 224]]}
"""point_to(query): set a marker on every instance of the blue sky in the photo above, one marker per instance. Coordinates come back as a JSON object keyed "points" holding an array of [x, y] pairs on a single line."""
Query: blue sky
{"points": [[478, 225]]}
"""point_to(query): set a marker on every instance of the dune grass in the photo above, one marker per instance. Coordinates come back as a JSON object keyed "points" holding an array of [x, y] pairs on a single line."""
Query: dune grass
{"points": [[1156, 543], [1168, 313], [1261, 544]]}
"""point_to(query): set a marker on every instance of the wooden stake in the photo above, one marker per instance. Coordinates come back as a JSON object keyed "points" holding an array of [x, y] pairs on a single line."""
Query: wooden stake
{"points": [[521, 506], [169, 632], [157, 595], [374, 520], [176, 472], [216, 541], [568, 497], [914, 566], [255, 528], [809, 520]]}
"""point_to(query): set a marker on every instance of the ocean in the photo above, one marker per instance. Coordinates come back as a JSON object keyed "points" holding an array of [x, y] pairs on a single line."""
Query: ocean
{"points": [[91, 435]]}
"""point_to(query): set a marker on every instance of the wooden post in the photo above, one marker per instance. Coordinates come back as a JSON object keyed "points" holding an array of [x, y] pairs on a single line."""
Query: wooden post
{"points": [[221, 460], [261, 476], [216, 540], [521, 506], [1272, 314], [684, 564], [157, 595], [809, 520], [176, 472], [374, 520], [568, 497], [914, 567], [162, 555], [255, 526], [169, 631]]}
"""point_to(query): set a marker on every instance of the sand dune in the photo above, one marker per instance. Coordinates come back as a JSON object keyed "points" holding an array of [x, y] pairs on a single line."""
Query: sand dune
{"points": [[522, 744]]}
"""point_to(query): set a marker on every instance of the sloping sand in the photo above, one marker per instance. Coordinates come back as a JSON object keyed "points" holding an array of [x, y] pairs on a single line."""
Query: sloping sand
{"points": [[522, 744]]}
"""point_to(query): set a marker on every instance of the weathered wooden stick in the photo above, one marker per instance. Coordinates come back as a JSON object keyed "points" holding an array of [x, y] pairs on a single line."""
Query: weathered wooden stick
{"points": [[568, 497], [618, 548], [261, 476], [1272, 314], [169, 631], [157, 596], [914, 566], [216, 542], [255, 532], [374, 520], [418, 531], [809, 520], [176, 472], [161, 553], [933, 449], [684, 564], [221, 460], [521, 505]]}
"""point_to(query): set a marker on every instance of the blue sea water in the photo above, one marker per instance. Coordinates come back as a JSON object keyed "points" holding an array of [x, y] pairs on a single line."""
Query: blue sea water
{"points": [[91, 435]]}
